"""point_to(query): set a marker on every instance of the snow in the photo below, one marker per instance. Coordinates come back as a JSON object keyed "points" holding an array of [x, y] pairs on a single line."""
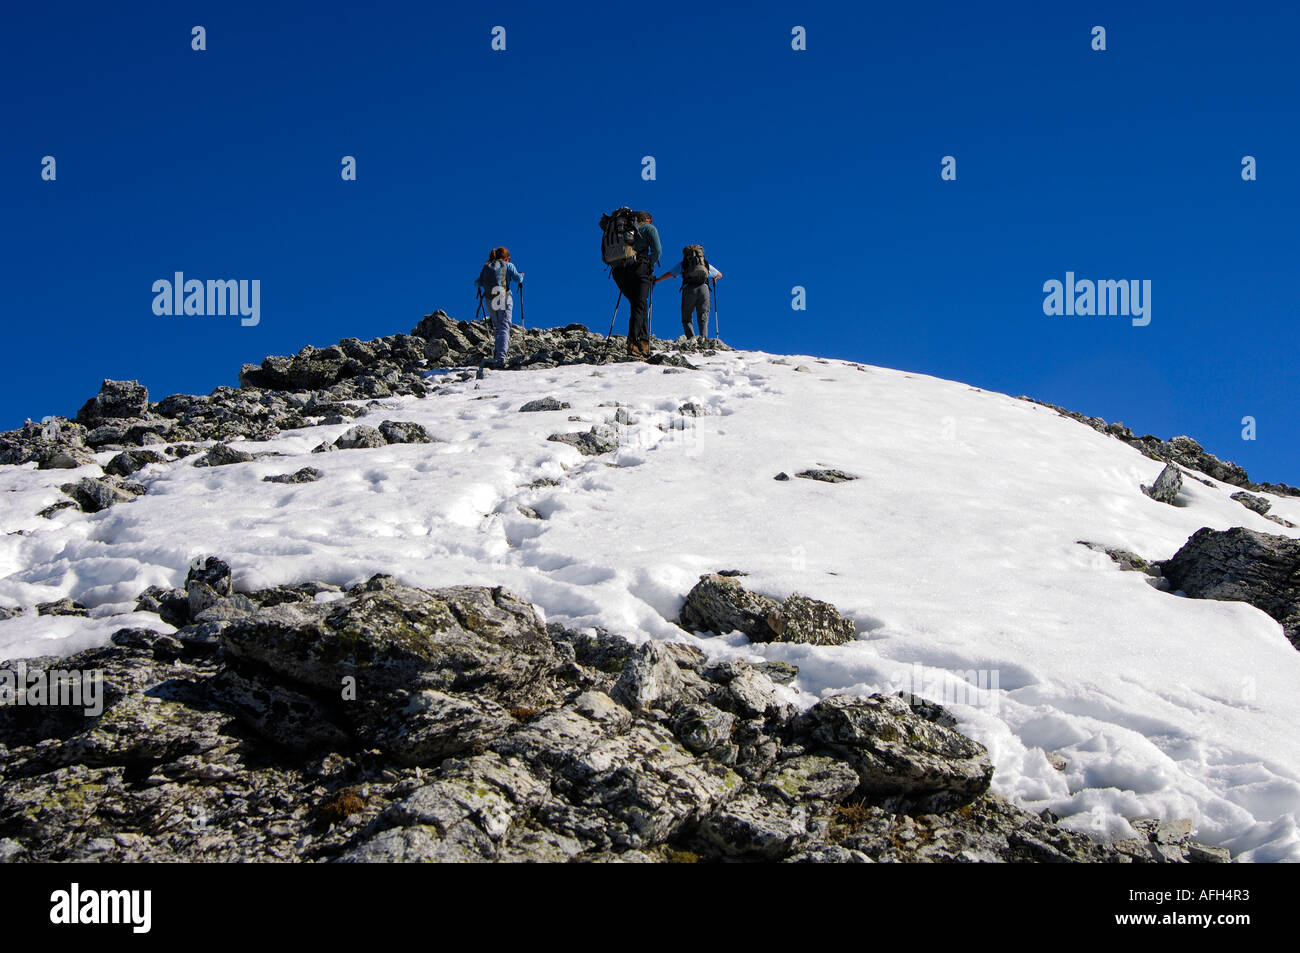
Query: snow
{"points": [[955, 552]]}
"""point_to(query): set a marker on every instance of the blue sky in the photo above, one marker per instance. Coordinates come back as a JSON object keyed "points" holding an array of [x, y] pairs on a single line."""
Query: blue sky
{"points": [[817, 168]]}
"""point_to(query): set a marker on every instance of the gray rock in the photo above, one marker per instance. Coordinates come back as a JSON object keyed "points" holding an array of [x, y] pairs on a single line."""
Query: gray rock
{"points": [[64, 606], [1205, 854], [702, 728], [404, 431], [360, 437], [650, 678], [222, 456], [397, 724], [1243, 565], [92, 494], [542, 404], [901, 758], [826, 476], [599, 439], [1252, 502], [304, 475], [720, 604], [131, 461], [63, 457], [810, 621], [171, 605], [116, 399], [1127, 562], [752, 827], [1167, 486]]}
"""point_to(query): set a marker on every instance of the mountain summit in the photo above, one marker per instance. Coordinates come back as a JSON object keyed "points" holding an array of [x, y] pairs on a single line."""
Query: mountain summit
{"points": [[713, 572]]}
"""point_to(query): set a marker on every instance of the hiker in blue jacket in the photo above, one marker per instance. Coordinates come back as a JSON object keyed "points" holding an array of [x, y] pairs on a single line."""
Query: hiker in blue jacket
{"points": [[494, 286], [696, 274]]}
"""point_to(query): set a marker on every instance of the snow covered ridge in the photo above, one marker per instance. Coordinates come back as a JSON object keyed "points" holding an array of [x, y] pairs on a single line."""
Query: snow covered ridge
{"points": [[952, 544]]}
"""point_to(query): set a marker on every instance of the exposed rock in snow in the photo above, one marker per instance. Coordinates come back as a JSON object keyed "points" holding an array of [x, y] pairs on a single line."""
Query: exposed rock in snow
{"points": [[1167, 486], [1183, 450], [64, 457], [400, 724], [1245, 565], [1252, 502], [544, 403], [404, 431], [222, 456], [826, 476], [130, 461], [719, 604], [599, 439], [93, 494], [304, 475], [360, 437]]}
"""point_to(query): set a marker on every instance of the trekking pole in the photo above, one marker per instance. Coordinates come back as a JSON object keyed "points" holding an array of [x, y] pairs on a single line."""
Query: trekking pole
{"points": [[604, 354], [614, 317], [717, 331], [478, 312], [522, 323]]}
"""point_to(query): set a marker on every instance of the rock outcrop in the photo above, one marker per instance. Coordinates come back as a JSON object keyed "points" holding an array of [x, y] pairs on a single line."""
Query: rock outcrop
{"points": [[719, 604], [1244, 565], [1180, 450], [398, 724], [1167, 485]]}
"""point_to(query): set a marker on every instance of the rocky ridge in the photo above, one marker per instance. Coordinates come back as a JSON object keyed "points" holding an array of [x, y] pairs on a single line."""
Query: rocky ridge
{"points": [[1183, 451], [389, 723]]}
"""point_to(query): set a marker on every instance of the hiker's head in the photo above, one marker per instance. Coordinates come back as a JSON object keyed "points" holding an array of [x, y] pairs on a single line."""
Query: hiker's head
{"points": [[644, 218], [499, 254]]}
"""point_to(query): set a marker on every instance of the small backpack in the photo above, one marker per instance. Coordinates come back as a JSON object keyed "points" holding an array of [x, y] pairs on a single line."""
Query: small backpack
{"points": [[695, 267], [618, 237]]}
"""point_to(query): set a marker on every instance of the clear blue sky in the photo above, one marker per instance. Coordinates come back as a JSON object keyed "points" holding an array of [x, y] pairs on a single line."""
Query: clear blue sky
{"points": [[817, 168]]}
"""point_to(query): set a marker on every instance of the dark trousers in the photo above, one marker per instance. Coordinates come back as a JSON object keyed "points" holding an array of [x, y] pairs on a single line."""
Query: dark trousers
{"points": [[695, 299], [637, 282]]}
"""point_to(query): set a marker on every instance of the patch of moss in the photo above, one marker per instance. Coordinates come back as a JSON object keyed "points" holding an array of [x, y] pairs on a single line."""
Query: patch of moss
{"points": [[339, 808]]}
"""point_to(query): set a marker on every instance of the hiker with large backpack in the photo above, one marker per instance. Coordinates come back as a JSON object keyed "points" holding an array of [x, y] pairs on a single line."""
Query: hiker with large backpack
{"points": [[493, 284], [696, 273], [630, 247]]}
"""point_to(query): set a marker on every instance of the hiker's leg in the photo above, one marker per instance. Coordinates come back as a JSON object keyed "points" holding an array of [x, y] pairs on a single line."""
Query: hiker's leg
{"points": [[502, 322], [628, 282], [702, 305], [647, 276], [639, 296], [688, 305]]}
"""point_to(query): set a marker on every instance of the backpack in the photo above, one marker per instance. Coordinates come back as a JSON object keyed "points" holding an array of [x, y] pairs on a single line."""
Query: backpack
{"points": [[494, 275], [618, 237], [695, 267]]}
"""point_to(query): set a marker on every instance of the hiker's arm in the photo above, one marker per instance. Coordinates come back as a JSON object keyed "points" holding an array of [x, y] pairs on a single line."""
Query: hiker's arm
{"points": [[655, 247], [665, 276]]}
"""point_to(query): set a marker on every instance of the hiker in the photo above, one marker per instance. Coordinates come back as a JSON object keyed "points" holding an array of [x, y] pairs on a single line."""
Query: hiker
{"points": [[494, 288], [696, 273], [635, 272]]}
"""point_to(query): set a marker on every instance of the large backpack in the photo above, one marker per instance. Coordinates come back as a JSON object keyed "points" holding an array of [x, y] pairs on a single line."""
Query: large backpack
{"points": [[695, 267], [618, 237]]}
